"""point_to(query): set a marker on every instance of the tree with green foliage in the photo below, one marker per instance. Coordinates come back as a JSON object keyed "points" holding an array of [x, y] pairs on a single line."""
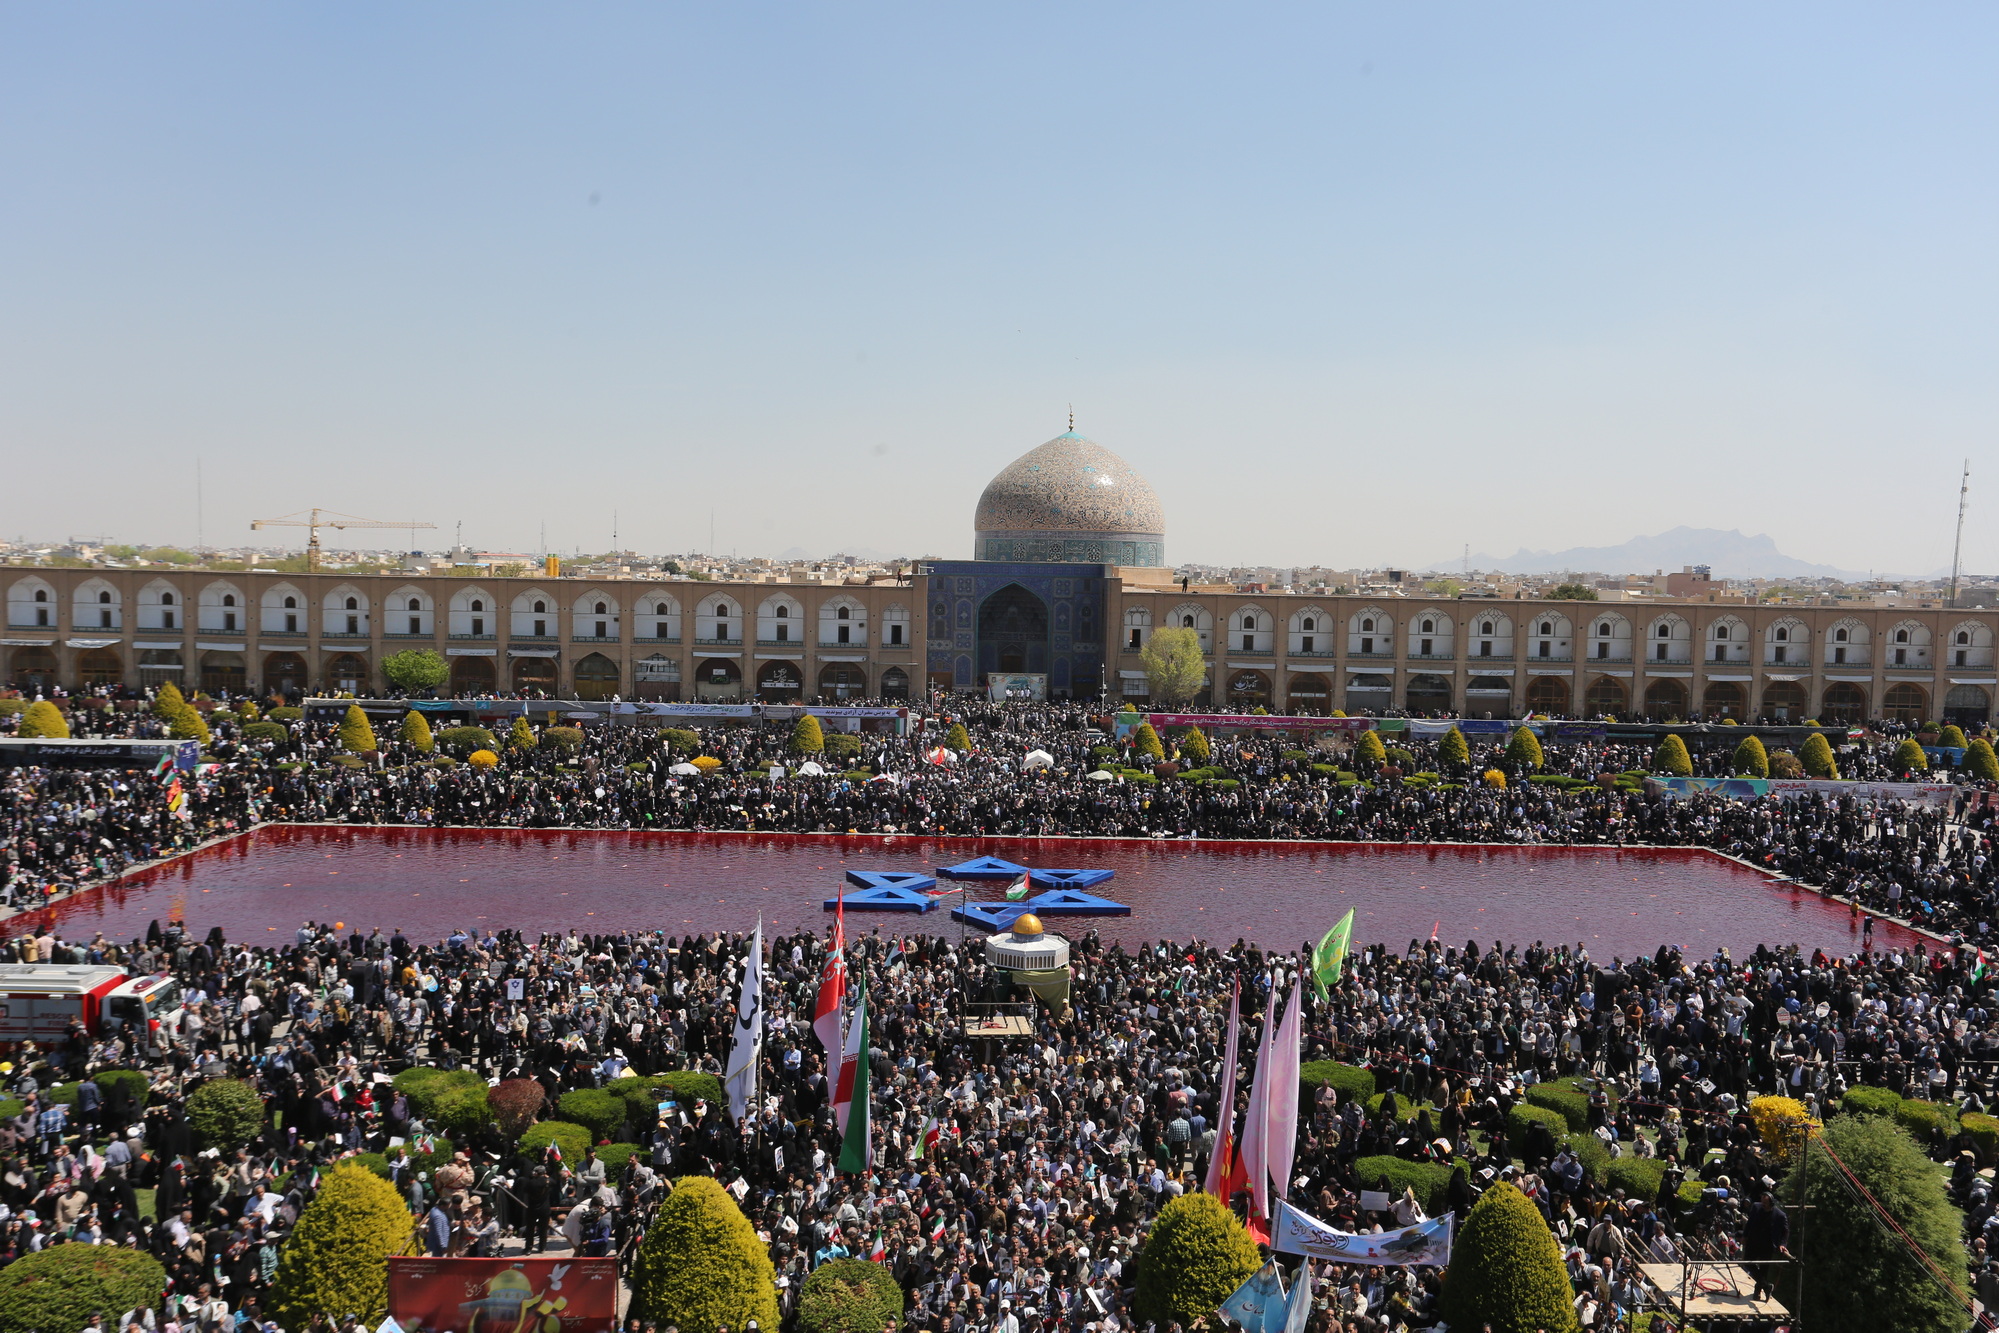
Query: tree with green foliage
{"points": [[1816, 757], [461, 741], [807, 737], [1195, 1255], [189, 725], [1952, 737], [1980, 761], [1369, 749], [1523, 750], [355, 733], [168, 700], [566, 739], [66, 1286], [1574, 592], [701, 1265], [595, 1109], [1751, 759], [1909, 756], [337, 1257], [1672, 758], [571, 1139], [416, 732], [1175, 667], [679, 740], [958, 739], [414, 670], [1859, 1276], [1506, 1269], [1195, 746], [849, 1296], [1145, 741], [225, 1114], [43, 721], [522, 736], [1452, 752]]}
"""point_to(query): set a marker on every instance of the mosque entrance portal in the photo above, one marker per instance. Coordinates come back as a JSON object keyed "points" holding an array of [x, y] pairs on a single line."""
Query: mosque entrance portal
{"points": [[1013, 632]]}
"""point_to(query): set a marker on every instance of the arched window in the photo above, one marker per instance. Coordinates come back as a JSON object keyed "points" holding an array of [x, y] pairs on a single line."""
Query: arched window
{"points": [[721, 608], [166, 599], [1186, 622], [540, 608], [1665, 631], [42, 595], [784, 613], [1963, 636], [1603, 630], [1839, 636], [846, 613], [662, 610], [1547, 628], [1308, 624], [1902, 636], [1783, 635], [600, 608], [353, 604], [478, 605], [1367, 626], [415, 605], [291, 603], [1485, 627], [1721, 631], [1429, 627], [229, 599], [104, 599]]}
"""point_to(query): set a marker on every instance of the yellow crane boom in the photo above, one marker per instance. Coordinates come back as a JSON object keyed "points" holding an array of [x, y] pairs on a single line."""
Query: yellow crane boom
{"points": [[315, 519]]}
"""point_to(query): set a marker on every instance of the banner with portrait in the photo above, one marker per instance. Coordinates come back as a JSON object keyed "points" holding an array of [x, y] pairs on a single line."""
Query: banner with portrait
{"points": [[504, 1295]]}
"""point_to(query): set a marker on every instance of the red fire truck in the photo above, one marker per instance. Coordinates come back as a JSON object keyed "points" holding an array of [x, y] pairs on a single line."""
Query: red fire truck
{"points": [[38, 1002]]}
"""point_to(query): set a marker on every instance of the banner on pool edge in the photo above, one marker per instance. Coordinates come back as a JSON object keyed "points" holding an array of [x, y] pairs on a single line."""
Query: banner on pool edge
{"points": [[1427, 1243], [504, 1295]]}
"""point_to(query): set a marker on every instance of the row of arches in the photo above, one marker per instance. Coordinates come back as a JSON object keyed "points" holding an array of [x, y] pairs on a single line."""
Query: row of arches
{"points": [[471, 612], [1607, 636]]}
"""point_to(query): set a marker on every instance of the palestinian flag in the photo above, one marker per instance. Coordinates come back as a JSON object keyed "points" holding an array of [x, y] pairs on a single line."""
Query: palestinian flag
{"points": [[1978, 966], [1020, 888], [857, 1150]]}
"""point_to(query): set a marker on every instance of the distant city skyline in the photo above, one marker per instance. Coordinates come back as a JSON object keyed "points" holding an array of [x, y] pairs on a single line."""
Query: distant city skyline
{"points": [[1348, 287]]}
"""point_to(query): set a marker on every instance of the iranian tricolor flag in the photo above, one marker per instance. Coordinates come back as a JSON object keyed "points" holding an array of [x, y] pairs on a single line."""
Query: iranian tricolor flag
{"points": [[832, 1000], [880, 1251], [856, 1149]]}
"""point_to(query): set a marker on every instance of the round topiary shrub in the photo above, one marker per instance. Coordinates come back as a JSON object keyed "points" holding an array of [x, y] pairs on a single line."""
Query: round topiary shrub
{"points": [[515, 1103], [702, 1265], [459, 742], [1353, 1083], [596, 1109], [1506, 1270], [1870, 1101], [849, 1296], [337, 1258], [64, 1286], [225, 1113], [450, 1100], [1194, 1256], [644, 1092], [573, 1140]]}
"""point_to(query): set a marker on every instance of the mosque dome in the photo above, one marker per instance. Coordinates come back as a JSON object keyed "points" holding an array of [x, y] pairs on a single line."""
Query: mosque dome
{"points": [[1070, 501]]}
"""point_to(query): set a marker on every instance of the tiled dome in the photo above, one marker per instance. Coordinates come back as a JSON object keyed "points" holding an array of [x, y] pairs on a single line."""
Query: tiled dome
{"points": [[1070, 500]]}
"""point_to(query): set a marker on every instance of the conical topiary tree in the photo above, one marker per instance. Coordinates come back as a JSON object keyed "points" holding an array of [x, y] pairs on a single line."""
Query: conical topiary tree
{"points": [[1194, 746], [1952, 737], [1369, 749], [168, 700], [957, 738], [1194, 1256], [1145, 741], [807, 737], [1524, 750], [1909, 756], [337, 1258], [1452, 752], [355, 733], [522, 736], [1506, 1269], [1751, 759], [1980, 761], [43, 721], [702, 1265], [1672, 758], [849, 1296], [1859, 1276], [1816, 757], [188, 725], [416, 732]]}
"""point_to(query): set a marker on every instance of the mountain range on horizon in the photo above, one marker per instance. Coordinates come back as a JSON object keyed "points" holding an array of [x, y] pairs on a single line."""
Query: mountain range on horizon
{"points": [[1730, 554]]}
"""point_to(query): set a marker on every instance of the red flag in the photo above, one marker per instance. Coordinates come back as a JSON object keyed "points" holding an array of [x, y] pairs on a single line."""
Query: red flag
{"points": [[1223, 1163], [832, 1002]]}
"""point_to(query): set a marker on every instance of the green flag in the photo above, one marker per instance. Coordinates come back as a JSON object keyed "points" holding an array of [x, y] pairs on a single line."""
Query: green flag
{"points": [[856, 1151], [1331, 954], [1017, 890]]}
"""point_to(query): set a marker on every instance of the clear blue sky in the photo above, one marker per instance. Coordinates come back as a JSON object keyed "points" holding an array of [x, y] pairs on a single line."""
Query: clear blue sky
{"points": [[1350, 284]]}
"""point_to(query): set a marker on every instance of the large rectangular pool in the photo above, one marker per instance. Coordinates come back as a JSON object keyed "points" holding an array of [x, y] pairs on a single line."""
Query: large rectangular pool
{"points": [[1617, 901]]}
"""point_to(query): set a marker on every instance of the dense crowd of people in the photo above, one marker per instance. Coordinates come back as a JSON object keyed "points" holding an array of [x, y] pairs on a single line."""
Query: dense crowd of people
{"points": [[1024, 1208], [1052, 1153]]}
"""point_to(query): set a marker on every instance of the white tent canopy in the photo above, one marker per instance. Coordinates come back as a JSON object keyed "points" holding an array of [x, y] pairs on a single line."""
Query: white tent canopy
{"points": [[1038, 759], [809, 769], [685, 770], [1099, 776]]}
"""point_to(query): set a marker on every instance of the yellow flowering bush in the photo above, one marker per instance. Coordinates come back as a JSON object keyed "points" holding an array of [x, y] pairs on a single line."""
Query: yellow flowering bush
{"points": [[1778, 1120], [1495, 778], [482, 759], [707, 763]]}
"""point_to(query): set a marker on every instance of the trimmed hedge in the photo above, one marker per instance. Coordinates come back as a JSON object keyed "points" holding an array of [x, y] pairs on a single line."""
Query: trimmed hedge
{"points": [[1351, 1081], [64, 1286], [1870, 1101], [1925, 1119], [573, 1140], [614, 1156], [224, 1113], [849, 1296], [1195, 1255], [644, 1092], [701, 1265], [598, 1110], [1984, 1132], [452, 1101], [1430, 1180], [1568, 1097]]}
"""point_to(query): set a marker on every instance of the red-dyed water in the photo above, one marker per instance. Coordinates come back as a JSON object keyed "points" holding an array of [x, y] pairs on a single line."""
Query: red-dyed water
{"points": [[428, 881]]}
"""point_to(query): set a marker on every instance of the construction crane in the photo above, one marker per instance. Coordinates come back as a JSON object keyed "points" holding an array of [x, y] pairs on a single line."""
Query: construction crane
{"points": [[315, 519]]}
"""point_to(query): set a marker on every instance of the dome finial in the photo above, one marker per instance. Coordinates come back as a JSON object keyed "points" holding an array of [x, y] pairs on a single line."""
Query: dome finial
{"points": [[1072, 416]]}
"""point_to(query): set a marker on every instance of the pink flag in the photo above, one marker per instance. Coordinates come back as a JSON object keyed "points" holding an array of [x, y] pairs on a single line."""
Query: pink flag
{"points": [[833, 985], [1256, 1121], [1282, 1121]]}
